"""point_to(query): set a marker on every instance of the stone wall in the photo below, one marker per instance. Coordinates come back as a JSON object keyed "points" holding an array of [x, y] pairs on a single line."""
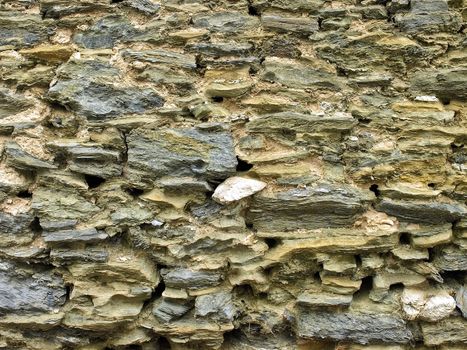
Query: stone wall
{"points": [[233, 174]]}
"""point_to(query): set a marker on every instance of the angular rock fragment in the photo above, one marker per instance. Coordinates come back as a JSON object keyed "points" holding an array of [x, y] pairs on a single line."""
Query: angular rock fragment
{"points": [[225, 22], [12, 103], [24, 290], [428, 16], [169, 310], [319, 207], [297, 75], [191, 279], [448, 331], [198, 153], [89, 158], [59, 8], [23, 30], [15, 229], [21, 160], [60, 204], [301, 26], [66, 256], [446, 84], [422, 212], [216, 306], [298, 122], [417, 303], [74, 236], [361, 328], [461, 300], [236, 188], [147, 7], [170, 58], [86, 88], [324, 299], [450, 258]]}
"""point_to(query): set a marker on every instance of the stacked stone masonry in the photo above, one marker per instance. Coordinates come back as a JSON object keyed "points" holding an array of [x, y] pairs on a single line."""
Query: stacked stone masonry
{"points": [[233, 174]]}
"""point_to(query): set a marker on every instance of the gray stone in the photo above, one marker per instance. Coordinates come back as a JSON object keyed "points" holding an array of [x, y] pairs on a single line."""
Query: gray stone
{"points": [[60, 8], [422, 212], [89, 158], [74, 236], [165, 57], [296, 5], [302, 26], [21, 160], [324, 299], [221, 49], [57, 204], [216, 306], [446, 84], [145, 6], [86, 88], [170, 310], [58, 225], [15, 229], [23, 30], [461, 300], [296, 75], [298, 122], [205, 154], [360, 328], [25, 291], [12, 103], [450, 258], [429, 16], [225, 22], [319, 207], [67, 256], [105, 33], [191, 279]]}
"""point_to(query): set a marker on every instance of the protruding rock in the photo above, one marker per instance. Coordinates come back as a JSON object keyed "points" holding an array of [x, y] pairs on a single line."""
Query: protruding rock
{"points": [[419, 303], [320, 207], [236, 188], [360, 328], [24, 290], [180, 152]]}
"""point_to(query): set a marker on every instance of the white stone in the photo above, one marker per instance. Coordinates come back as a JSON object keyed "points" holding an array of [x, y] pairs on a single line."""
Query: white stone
{"points": [[236, 188], [426, 99], [419, 304]]}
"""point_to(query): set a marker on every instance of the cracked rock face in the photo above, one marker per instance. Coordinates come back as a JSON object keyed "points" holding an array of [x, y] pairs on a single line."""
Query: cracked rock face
{"points": [[233, 175]]}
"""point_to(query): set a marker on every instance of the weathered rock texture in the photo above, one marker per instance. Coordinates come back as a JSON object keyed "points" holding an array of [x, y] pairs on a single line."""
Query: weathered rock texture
{"points": [[233, 174]]}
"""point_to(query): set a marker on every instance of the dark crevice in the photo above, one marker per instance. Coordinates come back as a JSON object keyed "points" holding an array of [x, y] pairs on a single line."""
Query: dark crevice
{"points": [[35, 225], [24, 194], [364, 121], [375, 190], [163, 344], [93, 181], [135, 192], [366, 286], [252, 11], [432, 185], [217, 99], [115, 1], [272, 242], [404, 238], [396, 287], [243, 165], [458, 276], [358, 260]]}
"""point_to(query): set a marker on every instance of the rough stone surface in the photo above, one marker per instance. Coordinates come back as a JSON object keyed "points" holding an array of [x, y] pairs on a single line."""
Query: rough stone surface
{"points": [[235, 188], [233, 174]]}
